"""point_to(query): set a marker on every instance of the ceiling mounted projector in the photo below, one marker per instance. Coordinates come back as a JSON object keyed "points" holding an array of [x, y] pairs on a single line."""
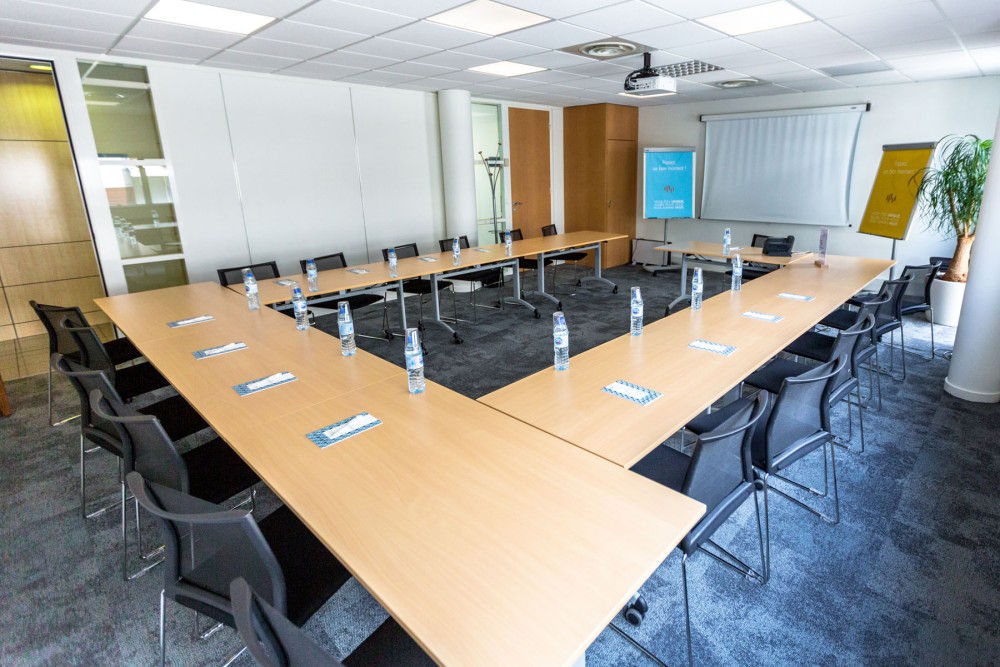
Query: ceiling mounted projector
{"points": [[649, 81]]}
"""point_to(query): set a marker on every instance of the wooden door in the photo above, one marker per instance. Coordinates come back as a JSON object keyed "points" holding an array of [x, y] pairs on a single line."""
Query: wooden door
{"points": [[621, 183], [530, 187]]}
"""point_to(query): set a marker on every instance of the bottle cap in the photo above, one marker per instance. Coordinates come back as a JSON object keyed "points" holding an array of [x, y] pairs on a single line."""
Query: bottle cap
{"points": [[413, 337], [296, 290], [636, 293], [344, 307], [558, 317]]}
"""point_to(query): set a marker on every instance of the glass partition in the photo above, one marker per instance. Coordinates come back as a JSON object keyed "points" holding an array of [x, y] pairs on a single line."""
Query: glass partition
{"points": [[487, 142]]}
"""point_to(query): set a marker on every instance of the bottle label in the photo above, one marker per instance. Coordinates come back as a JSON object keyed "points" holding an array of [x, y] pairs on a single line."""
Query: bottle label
{"points": [[636, 311], [346, 328], [414, 362], [561, 341], [299, 307], [251, 288]]}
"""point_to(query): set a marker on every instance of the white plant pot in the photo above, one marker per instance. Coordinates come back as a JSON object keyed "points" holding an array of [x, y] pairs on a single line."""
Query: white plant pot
{"points": [[946, 300]]}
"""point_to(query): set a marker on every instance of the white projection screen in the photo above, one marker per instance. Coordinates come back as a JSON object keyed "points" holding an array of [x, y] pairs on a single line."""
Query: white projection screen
{"points": [[781, 166]]}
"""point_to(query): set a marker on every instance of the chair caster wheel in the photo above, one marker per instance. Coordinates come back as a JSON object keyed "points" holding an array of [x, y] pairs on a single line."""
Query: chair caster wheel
{"points": [[387, 333], [640, 605], [420, 325], [423, 349], [633, 616], [538, 315], [559, 306], [615, 290], [579, 283], [458, 339]]}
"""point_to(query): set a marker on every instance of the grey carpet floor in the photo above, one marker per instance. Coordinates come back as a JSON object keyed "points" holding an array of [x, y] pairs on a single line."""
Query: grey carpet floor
{"points": [[910, 576]]}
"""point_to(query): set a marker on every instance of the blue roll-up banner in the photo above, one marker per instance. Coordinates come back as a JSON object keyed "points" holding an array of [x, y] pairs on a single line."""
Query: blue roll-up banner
{"points": [[668, 182]]}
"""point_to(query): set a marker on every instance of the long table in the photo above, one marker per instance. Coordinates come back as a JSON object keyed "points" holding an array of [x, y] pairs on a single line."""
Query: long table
{"points": [[464, 523], [571, 405]]}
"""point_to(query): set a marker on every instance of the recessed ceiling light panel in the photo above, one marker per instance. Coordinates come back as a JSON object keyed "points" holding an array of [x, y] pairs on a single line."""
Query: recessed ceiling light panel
{"points": [[506, 68], [197, 15], [606, 49], [488, 17], [754, 19]]}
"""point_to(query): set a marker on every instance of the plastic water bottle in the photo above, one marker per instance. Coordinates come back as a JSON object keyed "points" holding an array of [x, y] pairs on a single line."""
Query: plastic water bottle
{"points": [[299, 308], [414, 362], [737, 272], [250, 286], [697, 286], [393, 264], [156, 218], [727, 241], [636, 312], [508, 249], [456, 253], [312, 275], [560, 340], [345, 323]]}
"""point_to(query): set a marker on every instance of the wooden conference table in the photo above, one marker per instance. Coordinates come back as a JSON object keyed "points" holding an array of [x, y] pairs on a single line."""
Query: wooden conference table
{"points": [[714, 251], [439, 267], [489, 541], [572, 406]]}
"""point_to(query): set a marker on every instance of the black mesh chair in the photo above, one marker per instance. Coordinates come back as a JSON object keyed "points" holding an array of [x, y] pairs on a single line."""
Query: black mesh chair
{"points": [[274, 641], [211, 471], [917, 297], [176, 415], [261, 271], [719, 474], [129, 382], [795, 425], [357, 301], [486, 277], [120, 350], [526, 262], [207, 547], [419, 286], [575, 257], [752, 270]]}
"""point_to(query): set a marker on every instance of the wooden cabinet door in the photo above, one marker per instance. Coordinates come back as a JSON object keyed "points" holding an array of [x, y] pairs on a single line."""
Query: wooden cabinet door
{"points": [[530, 187], [621, 183]]}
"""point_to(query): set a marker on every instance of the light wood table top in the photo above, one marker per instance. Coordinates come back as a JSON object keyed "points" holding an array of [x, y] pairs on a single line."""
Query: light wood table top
{"points": [[747, 253], [466, 524], [570, 404]]}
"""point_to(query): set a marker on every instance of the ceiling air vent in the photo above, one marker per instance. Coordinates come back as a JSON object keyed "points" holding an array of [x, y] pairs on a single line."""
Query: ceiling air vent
{"points": [[606, 49]]}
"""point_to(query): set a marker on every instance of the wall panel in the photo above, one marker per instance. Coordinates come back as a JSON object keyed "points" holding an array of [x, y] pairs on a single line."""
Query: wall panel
{"points": [[61, 261], [31, 109]]}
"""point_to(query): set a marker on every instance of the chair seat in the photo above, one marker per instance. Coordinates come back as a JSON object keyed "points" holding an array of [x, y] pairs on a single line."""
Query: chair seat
{"points": [[176, 416], [571, 256], [485, 276], [529, 263], [772, 375], [388, 646], [216, 472], [359, 301], [750, 273], [840, 319], [137, 380], [709, 421], [664, 465], [812, 345], [914, 304], [423, 286], [121, 350]]}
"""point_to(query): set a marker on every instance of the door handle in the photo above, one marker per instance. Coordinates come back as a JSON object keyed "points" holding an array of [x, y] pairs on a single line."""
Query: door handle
{"points": [[609, 203]]}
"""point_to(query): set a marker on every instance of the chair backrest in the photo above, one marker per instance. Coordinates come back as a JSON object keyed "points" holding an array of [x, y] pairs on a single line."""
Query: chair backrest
{"points": [[893, 309], [921, 278], [60, 340], [721, 461], [93, 356], [146, 447], [758, 240], [83, 380], [516, 235], [463, 243], [801, 409], [326, 262], [206, 547], [945, 262], [402, 251], [261, 271], [549, 230], [271, 639], [846, 344]]}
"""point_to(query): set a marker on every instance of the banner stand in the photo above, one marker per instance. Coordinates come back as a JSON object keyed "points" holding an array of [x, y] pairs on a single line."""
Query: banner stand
{"points": [[668, 190]]}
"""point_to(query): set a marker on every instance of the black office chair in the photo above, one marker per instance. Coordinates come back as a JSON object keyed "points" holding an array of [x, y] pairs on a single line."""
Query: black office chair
{"points": [[274, 641], [719, 474], [261, 271], [486, 277], [129, 382], [888, 317], [176, 415], [211, 471], [357, 301], [575, 257], [526, 262], [418, 286], [753, 270], [120, 350], [917, 297], [207, 547]]}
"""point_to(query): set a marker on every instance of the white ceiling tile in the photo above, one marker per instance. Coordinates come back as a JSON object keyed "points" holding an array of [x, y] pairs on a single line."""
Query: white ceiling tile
{"points": [[417, 69], [873, 79], [657, 58], [694, 9], [130, 8], [935, 73], [344, 16], [555, 35], [813, 85], [797, 75], [599, 69], [271, 47], [425, 85], [981, 40], [890, 37], [356, 60], [47, 44], [710, 49], [558, 9], [499, 48], [311, 35], [675, 36], [551, 77], [251, 60], [825, 9], [630, 16], [768, 71], [454, 60], [916, 48], [709, 77], [168, 32], [317, 70], [957, 59], [33, 12], [417, 10], [380, 78], [466, 76], [968, 25], [435, 35], [276, 8], [988, 59], [163, 49], [553, 60], [390, 48], [738, 60], [888, 18], [55, 35], [803, 33], [125, 53], [503, 84], [817, 48], [835, 59], [960, 8]]}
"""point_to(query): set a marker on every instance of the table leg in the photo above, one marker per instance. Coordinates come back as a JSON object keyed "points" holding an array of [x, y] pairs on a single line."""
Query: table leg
{"points": [[517, 291], [436, 319], [684, 297], [597, 271], [402, 303], [540, 291]]}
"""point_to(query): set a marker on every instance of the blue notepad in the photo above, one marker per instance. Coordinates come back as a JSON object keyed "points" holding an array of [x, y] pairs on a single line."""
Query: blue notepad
{"points": [[709, 346], [191, 320], [263, 383], [632, 392], [342, 430], [219, 350]]}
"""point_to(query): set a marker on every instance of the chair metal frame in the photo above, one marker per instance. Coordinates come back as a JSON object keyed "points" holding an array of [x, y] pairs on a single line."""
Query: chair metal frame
{"points": [[336, 260]]}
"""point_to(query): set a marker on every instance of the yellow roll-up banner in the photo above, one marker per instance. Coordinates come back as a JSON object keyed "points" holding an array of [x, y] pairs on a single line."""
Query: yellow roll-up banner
{"points": [[893, 197]]}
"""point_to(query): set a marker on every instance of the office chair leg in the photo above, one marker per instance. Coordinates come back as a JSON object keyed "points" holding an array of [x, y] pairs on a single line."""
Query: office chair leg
{"points": [[902, 347], [933, 347], [836, 500], [200, 634], [163, 642], [124, 531], [83, 485], [642, 649], [767, 527], [234, 657], [764, 565], [687, 610], [861, 419]]}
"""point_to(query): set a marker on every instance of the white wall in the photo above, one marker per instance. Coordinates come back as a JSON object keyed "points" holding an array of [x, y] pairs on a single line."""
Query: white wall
{"points": [[904, 113]]}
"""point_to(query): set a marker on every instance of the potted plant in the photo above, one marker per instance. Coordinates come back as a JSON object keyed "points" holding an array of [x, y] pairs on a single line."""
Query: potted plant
{"points": [[951, 192]]}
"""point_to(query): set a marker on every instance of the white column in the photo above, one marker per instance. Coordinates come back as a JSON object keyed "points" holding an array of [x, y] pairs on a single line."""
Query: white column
{"points": [[458, 163], [974, 374]]}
